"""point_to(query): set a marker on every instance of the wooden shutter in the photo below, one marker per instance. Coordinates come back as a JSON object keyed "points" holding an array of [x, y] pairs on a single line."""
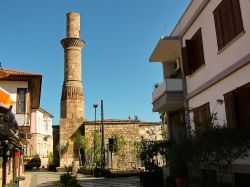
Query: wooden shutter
{"points": [[191, 52], [238, 24], [185, 61], [202, 117], [243, 106], [199, 46], [228, 21], [218, 27], [230, 107], [195, 52]]}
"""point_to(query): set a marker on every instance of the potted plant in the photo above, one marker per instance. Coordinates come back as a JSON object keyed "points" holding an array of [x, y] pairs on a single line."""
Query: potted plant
{"points": [[153, 176]]}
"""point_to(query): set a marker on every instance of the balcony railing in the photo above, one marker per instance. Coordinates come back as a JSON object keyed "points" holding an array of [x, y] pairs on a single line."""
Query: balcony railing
{"points": [[168, 85]]}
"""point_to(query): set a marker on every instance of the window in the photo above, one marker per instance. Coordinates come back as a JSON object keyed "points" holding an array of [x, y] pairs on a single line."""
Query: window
{"points": [[193, 54], [202, 117], [20, 104], [237, 108], [228, 21], [46, 125]]}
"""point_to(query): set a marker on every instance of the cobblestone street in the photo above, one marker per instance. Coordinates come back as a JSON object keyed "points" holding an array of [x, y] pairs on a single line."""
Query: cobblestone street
{"points": [[50, 179]]}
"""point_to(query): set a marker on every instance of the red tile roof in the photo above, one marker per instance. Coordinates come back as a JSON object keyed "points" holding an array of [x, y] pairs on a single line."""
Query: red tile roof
{"points": [[14, 72]]}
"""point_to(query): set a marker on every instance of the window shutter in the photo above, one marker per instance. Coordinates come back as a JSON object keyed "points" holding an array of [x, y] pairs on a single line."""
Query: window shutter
{"points": [[191, 52], [236, 11], [228, 21], [185, 61], [230, 107], [200, 49], [202, 117], [225, 22], [28, 102], [195, 52], [207, 115], [218, 27], [243, 107]]}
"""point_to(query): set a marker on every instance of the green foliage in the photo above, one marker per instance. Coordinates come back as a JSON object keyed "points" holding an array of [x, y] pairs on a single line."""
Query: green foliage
{"points": [[50, 158], [150, 149], [164, 132], [147, 153], [178, 157], [82, 141], [219, 146], [97, 138], [68, 180], [64, 148], [156, 85], [163, 117], [231, 144], [119, 143], [33, 162]]}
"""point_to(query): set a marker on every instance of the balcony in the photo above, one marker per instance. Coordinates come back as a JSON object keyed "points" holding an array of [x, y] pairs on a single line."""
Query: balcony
{"points": [[168, 96]]}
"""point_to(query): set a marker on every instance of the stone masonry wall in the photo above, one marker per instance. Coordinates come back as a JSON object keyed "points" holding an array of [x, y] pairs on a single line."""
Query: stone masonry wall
{"points": [[132, 131]]}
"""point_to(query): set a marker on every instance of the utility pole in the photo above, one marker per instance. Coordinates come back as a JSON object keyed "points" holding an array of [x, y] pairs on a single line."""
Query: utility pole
{"points": [[95, 106], [102, 147]]}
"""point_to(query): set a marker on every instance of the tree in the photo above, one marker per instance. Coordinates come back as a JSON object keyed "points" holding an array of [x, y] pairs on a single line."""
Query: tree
{"points": [[82, 142], [230, 144], [220, 146], [164, 128]]}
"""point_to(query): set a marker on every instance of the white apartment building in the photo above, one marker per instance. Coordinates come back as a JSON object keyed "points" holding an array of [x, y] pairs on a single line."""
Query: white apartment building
{"points": [[211, 45], [41, 142]]}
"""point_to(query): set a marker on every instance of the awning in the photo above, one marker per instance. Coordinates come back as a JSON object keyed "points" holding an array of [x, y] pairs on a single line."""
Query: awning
{"points": [[5, 97], [166, 50]]}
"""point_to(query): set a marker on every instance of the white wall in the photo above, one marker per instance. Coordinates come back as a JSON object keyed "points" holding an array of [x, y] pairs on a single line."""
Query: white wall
{"points": [[41, 138], [217, 91], [214, 62], [39, 121], [11, 87]]}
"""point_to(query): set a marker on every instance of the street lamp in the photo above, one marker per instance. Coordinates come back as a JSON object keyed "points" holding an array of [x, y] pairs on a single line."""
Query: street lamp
{"points": [[95, 106]]}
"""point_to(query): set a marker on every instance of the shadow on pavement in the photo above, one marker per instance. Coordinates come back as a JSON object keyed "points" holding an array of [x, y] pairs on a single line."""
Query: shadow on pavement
{"points": [[110, 182]]}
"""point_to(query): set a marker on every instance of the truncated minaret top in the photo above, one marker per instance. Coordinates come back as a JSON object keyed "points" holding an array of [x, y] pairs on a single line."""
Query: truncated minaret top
{"points": [[73, 25]]}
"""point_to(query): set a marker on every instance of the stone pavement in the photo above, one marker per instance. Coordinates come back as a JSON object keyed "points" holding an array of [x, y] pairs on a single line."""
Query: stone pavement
{"points": [[50, 179], [109, 182]]}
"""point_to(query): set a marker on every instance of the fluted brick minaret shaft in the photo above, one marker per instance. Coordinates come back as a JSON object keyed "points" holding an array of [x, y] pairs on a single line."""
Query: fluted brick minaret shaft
{"points": [[72, 99]]}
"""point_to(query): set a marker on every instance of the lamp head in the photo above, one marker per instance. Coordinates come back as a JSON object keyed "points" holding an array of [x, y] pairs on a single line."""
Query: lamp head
{"points": [[95, 105]]}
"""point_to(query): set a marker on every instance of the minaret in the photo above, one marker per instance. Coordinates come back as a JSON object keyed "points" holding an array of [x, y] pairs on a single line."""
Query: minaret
{"points": [[72, 99]]}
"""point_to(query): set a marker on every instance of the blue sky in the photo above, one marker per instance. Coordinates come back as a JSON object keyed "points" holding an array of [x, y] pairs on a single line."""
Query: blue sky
{"points": [[120, 36]]}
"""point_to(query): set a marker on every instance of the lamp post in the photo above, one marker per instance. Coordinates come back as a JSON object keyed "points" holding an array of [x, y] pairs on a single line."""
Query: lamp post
{"points": [[102, 146], [95, 106]]}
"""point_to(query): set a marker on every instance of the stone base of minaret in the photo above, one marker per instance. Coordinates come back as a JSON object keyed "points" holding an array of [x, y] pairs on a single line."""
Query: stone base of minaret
{"points": [[68, 150]]}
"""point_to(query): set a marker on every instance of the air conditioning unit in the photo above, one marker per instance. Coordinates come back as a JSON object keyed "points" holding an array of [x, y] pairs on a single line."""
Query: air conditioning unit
{"points": [[177, 65]]}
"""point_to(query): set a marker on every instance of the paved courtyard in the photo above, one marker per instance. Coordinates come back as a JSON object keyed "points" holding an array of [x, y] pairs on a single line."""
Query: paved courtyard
{"points": [[50, 179]]}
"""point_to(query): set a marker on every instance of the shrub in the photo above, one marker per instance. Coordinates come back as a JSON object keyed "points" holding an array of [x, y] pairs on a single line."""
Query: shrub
{"points": [[34, 162], [68, 180]]}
